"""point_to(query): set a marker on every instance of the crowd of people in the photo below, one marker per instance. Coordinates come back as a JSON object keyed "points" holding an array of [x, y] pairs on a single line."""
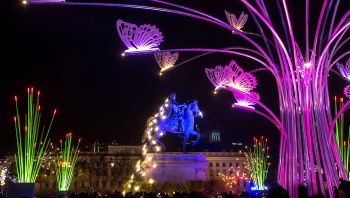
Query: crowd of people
{"points": [[275, 191]]}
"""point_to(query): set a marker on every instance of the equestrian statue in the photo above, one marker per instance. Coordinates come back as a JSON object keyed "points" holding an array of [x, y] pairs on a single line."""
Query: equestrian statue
{"points": [[174, 118]]}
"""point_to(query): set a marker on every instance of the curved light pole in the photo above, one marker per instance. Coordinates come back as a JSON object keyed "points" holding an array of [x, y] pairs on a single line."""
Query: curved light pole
{"points": [[308, 154]]}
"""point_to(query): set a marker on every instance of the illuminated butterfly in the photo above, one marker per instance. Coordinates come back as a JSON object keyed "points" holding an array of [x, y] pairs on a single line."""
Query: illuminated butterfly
{"points": [[347, 91], [236, 23], [246, 99], [145, 37], [231, 75], [300, 63], [344, 70], [166, 60]]}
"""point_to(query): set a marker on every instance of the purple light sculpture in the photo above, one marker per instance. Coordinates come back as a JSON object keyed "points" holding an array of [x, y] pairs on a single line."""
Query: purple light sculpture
{"points": [[308, 152]]}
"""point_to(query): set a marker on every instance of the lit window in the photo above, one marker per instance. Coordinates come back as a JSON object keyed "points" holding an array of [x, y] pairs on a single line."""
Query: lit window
{"points": [[112, 164]]}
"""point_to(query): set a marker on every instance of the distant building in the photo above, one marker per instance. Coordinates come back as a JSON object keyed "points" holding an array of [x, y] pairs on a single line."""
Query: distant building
{"points": [[105, 167], [214, 136]]}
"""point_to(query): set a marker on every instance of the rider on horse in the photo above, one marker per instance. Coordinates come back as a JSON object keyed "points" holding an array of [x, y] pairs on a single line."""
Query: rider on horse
{"points": [[175, 113]]}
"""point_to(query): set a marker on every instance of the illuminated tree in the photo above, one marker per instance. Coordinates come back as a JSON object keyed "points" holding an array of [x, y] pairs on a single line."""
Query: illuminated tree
{"points": [[299, 66], [258, 164], [65, 163], [33, 145]]}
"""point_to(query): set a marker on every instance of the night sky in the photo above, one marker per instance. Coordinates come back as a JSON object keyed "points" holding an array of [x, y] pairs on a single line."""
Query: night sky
{"points": [[72, 54]]}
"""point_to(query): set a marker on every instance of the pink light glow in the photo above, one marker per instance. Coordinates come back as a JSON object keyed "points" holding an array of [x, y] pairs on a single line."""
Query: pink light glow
{"points": [[243, 106]]}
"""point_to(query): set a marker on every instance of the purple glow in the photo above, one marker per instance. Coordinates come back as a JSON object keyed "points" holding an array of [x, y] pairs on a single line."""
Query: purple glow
{"points": [[307, 143], [243, 106]]}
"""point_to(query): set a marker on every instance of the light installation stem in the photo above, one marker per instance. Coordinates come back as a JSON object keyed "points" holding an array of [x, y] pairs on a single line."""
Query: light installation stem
{"points": [[30, 151]]}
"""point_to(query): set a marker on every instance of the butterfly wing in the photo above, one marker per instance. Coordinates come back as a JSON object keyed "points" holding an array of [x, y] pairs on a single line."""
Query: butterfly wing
{"points": [[166, 60], [347, 91], [147, 37], [217, 76], [232, 19], [248, 99], [300, 63], [126, 33], [241, 21]]}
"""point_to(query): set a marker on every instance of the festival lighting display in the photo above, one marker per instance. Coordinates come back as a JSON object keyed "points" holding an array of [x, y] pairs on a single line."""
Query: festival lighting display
{"points": [[32, 145], [258, 164], [65, 162], [235, 178], [145, 38], [300, 67], [343, 145]]}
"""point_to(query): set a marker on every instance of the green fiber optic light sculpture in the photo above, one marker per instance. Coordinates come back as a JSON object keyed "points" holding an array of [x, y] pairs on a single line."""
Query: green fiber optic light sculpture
{"points": [[344, 149], [32, 146], [258, 162], [65, 162]]}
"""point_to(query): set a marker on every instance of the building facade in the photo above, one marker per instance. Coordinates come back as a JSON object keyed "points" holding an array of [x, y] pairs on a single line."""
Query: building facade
{"points": [[106, 168]]}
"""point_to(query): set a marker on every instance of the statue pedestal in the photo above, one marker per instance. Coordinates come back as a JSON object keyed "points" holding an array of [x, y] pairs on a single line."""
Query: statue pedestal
{"points": [[175, 167]]}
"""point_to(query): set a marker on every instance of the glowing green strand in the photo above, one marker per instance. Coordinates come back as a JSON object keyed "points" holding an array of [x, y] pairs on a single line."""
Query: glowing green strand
{"points": [[257, 162], [65, 163], [30, 152]]}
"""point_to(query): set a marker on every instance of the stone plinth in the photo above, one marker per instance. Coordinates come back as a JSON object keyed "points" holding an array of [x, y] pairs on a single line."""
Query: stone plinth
{"points": [[175, 167]]}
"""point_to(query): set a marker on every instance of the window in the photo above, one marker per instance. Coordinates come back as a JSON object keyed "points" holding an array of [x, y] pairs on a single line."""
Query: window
{"points": [[217, 172], [223, 164], [104, 183], [230, 164], [211, 164], [211, 172], [237, 164], [217, 164], [104, 173], [224, 171], [112, 164]]}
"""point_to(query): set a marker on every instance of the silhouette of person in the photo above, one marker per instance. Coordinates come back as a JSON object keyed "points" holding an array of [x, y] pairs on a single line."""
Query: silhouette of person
{"points": [[335, 192]]}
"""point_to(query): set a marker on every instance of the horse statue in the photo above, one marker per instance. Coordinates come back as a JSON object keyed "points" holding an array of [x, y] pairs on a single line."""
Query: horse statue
{"points": [[182, 124]]}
